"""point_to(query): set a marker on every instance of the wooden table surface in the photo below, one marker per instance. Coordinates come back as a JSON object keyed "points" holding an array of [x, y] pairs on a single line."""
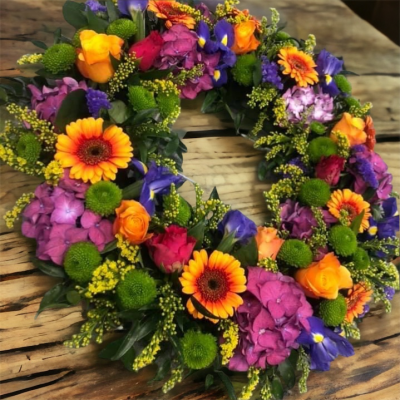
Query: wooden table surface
{"points": [[35, 365]]}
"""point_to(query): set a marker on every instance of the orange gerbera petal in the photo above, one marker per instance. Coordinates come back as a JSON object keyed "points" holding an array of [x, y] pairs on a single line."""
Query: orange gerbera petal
{"points": [[299, 65], [92, 154], [352, 203], [359, 295], [213, 281], [173, 12]]}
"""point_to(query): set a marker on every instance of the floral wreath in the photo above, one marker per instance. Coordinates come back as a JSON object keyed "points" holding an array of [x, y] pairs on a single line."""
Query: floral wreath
{"points": [[201, 287]]}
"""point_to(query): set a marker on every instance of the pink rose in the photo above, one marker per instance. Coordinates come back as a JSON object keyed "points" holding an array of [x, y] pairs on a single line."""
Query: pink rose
{"points": [[329, 169], [171, 250]]}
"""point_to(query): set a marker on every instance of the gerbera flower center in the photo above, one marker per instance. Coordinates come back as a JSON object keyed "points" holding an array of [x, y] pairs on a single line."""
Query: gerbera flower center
{"points": [[298, 65], [94, 151], [213, 284]]}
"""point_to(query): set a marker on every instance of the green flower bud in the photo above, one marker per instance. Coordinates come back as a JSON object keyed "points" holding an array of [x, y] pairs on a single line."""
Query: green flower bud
{"points": [[333, 312], [317, 128], [342, 83], [295, 253], [29, 148], [123, 28], [76, 40], [315, 193], [167, 104], [198, 349], [243, 70], [343, 240], [136, 290], [103, 198], [141, 98], [361, 259], [184, 212], [59, 58], [80, 261], [322, 146]]}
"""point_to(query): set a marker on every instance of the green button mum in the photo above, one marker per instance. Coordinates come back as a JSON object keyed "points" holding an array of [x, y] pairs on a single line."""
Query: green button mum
{"points": [[59, 58], [29, 147], [321, 147], [315, 193], [343, 240], [295, 253], [123, 28], [333, 311], [103, 198], [361, 259]]}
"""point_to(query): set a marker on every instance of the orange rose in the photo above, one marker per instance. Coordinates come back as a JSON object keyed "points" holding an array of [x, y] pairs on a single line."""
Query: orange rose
{"points": [[268, 243], [352, 128], [245, 41], [324, 278], [371, 132], [94, 61], [132, 222]]}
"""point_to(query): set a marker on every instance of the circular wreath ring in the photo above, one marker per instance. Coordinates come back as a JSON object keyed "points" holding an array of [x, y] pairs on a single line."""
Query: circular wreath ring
{"points": [[201, 287]]}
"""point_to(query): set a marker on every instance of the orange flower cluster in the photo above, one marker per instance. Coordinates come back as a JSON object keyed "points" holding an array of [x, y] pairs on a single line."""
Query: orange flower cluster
{"points": [[170, 11], [356, 299], [353, 128], [268, 242], [245, 40]]}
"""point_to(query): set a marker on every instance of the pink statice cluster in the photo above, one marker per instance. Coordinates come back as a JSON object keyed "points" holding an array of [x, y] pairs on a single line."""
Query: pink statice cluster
{"points": [[273, 313], [57, 218], [303, 104]]}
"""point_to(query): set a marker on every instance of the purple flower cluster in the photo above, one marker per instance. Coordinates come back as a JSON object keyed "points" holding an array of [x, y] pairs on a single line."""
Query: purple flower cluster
{"points": [[47, 101], [270, 73], [57, 218], [305, 104], [273, 314], [95, 6], [96, 100]]}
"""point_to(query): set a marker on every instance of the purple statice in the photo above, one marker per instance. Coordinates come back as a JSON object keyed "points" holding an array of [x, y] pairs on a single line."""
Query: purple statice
{"points": [[96, 101], [389, 292], [360, 166], [95, 6], [273, 313], [56, 218], [323, 344], [237, 224], [303, 104], [47, 101], [270, 73], [327, 67]]}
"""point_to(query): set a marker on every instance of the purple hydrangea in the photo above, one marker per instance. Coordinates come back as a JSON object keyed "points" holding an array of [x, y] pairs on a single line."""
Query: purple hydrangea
{"points": [[235, 222], [273, 313], [95, 6], [47, 101], [270, 73], [57, 218], [97, 100], [305, 104]]}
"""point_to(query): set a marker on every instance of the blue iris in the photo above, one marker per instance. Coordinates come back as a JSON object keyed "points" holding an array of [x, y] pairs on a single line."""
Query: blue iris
{"points": [[327, 67]]}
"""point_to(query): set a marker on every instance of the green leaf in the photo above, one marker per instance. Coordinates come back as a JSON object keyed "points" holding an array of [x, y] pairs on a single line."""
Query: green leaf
{"points": [[210, 103], [162, 370], [110, 349], [262, 171], [73, 297], [118, 112], [143, 116], [128, 358], [197, 232], [40, 44], [43, 72], [49, 269], [53, 299], [114, 62], [3, 97], [209, 381], [171, 147], [72, 108], [214, 194], [277, 389], [356, 223], [95, 23], [257, 73], [287, 373], [228, 384], [109, 247], [112, 10], [227, 243], [248, 254], [132, 191], [73, 14], [201, 309]]}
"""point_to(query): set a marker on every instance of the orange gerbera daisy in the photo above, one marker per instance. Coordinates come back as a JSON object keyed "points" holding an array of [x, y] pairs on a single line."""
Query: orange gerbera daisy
{"points": [[173, 12], [344, 202], [356, 299], [299, 65], [92, 154], [214, 282]]}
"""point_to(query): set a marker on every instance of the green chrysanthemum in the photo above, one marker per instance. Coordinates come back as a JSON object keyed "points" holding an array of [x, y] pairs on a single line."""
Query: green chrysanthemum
{"points": [[343, 240], [315, 193], [167, 104], [141, 98], [76, 40], [353, 102], [123, 28], [136, 290], [103, 198], [342, 83], [81, 260], [184, 212], [243, 70], [333, 312], [295, 253], [361, 259], [29, 147], [59, 58], [198, 349], [322, 146], [317, 128]]}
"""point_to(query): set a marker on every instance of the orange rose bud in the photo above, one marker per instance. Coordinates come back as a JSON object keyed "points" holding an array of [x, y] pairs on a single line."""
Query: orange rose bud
{"points": [[324, 278], [352, 128], [132, 222], [371, 132], [245, 41], [268, 243]]}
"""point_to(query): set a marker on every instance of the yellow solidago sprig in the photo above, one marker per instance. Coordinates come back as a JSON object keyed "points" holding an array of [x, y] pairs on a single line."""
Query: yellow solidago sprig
{"points": [[176, 377], [12, 216], [261, 97], [125, 69], [253, 375], [28, 59], [230, 335], [128, 250], [343, 144], [268, 264], [53, 173]]}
